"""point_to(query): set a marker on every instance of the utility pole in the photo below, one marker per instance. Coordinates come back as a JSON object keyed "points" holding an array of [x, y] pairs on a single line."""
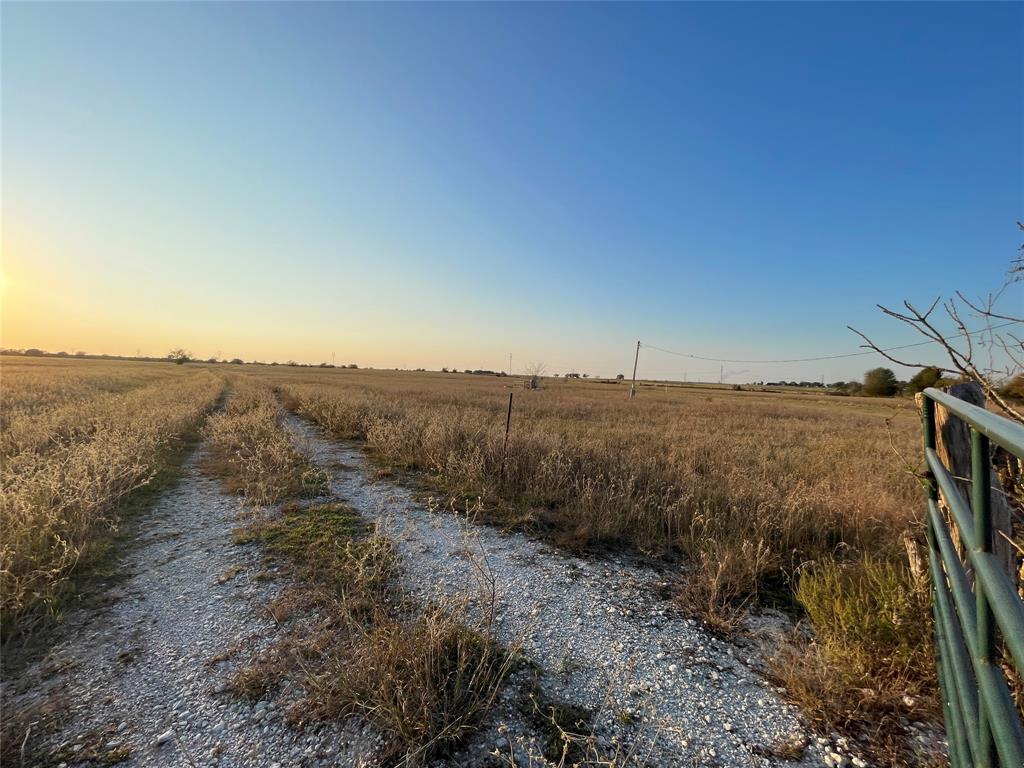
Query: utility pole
{"points": [[721, 373], [509, 363], [636, 359]]}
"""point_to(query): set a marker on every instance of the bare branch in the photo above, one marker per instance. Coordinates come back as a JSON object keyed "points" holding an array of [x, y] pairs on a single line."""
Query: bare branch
{"points": [[871, 345], [987, 311]]}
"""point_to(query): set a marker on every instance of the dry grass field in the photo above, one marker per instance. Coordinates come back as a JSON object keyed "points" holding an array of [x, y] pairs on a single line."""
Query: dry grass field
{"points": [[78, 438], [794, 499], [251, 453], [749, 485]]}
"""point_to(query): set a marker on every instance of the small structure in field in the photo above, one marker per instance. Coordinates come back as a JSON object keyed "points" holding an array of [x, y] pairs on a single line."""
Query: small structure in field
{"points": [[535, 372]]}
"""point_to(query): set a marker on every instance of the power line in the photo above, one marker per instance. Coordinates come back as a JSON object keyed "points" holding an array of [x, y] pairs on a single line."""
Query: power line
{"points": [[826, 357]]}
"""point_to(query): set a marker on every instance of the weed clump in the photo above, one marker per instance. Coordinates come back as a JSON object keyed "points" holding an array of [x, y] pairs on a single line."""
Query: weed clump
{"points": [[870, 662], [424, 678]]}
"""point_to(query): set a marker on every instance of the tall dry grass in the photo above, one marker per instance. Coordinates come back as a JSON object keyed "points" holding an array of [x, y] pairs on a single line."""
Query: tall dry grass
{"points": [[35, 385], [251, 452], [73, 447], [768, 497], [748, 486]]}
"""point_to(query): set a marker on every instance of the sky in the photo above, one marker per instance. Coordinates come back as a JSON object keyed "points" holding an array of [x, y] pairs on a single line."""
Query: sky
{"points": [[428, 185]]}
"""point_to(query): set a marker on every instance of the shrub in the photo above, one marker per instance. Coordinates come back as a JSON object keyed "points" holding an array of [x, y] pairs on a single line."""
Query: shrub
{"points": [[871, 618], [926, 377], [880, 382], [870, 666]]}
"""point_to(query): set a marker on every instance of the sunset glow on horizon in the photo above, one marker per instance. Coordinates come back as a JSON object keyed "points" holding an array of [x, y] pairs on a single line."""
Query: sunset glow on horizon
{"points": [[428, 186]]}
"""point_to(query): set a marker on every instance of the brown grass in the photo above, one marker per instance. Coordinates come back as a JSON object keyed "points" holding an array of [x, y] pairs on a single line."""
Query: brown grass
{"points": [[753, 488], [748, 485], [770, 497], [75, 444], [423, 677], [249, 450], [425, 681]]}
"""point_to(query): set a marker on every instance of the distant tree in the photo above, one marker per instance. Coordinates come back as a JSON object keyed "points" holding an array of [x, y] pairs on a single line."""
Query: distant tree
{"points": [[33, 352], [179, 355], [837, 384], [352, 365], [926, 377], [620, 376], [879, 382], [80, 353], [211, 359], [237, 361]]}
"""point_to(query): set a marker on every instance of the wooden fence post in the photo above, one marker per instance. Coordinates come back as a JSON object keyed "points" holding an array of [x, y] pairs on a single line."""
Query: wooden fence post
{"points": [[953, 444]]}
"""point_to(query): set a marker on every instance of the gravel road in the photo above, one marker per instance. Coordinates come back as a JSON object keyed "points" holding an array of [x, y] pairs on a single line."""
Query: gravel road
{"points": [[141, 677], [663, 689]]}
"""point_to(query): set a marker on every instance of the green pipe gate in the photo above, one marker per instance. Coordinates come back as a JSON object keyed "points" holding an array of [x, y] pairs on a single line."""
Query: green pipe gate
{"points": [[975, 603]]}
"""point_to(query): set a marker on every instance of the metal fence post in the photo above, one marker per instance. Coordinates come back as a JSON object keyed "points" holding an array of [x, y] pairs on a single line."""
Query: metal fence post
{"points": [[928, 428], [958, 750], [981, 504]]}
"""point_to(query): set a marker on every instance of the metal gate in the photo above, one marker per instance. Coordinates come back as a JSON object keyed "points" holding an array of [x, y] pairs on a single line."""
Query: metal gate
{"points": [[975, 603]]}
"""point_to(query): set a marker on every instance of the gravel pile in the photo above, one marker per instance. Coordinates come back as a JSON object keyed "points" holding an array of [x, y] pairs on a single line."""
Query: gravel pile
{"points": [[661, 688]]}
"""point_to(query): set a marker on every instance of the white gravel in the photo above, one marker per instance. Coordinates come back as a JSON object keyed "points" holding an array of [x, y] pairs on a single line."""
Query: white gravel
{"points": [[663, 689], [139, 672]]}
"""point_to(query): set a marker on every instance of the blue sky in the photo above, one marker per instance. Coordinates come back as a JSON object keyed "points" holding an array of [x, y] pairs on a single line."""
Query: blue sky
{"points": [[427, 185]]}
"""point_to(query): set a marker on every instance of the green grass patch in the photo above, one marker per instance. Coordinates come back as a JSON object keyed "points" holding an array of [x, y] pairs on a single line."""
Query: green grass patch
{"points": [[331, 547], [870, 667]]}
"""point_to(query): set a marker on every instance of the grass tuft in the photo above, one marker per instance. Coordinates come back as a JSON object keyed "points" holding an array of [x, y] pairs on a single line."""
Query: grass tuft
{"points": [[870, 664], [425, 681], [424, 678]]}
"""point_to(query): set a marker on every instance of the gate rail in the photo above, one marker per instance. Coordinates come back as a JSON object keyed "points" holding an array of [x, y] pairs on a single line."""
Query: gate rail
{"points": [[974, 601]]}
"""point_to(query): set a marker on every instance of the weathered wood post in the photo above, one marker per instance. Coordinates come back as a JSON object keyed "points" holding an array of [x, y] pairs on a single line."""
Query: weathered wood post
{"points": [[953, 444]]}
